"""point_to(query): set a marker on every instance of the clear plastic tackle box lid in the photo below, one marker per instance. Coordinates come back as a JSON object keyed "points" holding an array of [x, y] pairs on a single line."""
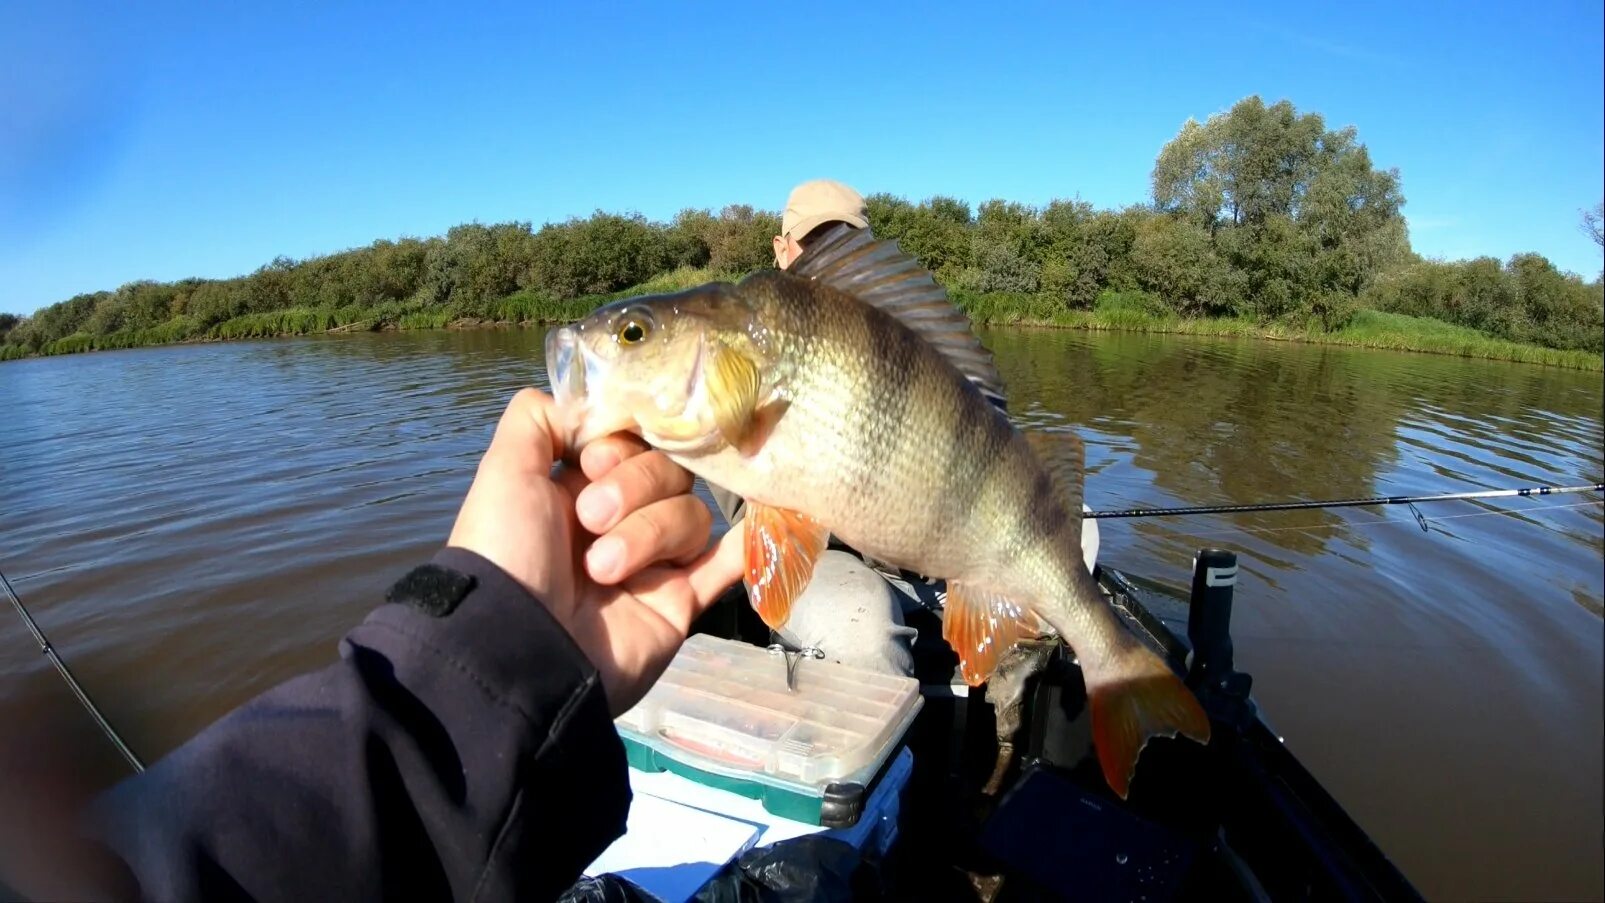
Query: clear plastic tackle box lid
{"points": [[723, 707]]}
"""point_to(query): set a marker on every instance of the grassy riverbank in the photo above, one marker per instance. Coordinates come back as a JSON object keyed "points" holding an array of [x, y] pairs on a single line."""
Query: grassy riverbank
{"points": [[1366, 329], [1132, 312], [520, 308]]}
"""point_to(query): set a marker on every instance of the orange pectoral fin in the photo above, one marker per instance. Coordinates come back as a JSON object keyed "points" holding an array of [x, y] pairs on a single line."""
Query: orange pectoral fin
{"points": [[981, 627], [782, 547], [733, 382]]}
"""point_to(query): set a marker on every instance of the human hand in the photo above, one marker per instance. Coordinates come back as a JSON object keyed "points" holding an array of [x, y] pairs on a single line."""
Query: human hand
{"points": [[616, 549]]}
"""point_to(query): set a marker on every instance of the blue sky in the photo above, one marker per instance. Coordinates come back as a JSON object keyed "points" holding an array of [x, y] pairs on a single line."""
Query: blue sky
{"points": [[160, 140]]}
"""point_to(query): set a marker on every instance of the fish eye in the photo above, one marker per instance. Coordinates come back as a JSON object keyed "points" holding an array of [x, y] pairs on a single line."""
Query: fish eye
{"points": [[633, 329]]}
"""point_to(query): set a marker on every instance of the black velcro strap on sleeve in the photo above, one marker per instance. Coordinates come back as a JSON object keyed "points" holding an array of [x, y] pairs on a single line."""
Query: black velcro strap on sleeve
{"points": [[432, 589]]}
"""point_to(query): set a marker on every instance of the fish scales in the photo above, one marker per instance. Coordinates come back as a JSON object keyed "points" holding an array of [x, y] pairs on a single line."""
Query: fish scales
{"points": [[886, 447]]}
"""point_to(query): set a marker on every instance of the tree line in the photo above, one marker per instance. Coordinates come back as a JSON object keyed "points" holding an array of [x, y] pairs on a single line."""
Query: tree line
{"points": [[1261, 212]]}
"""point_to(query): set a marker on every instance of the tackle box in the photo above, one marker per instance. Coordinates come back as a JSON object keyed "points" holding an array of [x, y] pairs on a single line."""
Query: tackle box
{"points": [[723, 715]]}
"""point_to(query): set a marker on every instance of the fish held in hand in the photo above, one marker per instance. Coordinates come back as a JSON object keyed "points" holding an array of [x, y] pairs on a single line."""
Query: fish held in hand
{"points": [[848, 396]]}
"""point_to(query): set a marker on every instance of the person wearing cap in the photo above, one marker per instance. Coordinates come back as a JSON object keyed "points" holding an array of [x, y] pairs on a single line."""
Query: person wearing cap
{"points": [[813, 208], [851, 611]]}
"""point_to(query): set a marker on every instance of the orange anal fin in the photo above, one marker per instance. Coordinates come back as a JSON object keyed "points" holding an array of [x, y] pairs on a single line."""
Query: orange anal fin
{"points": [[782, 547], [981, 626], [1144, 699]]}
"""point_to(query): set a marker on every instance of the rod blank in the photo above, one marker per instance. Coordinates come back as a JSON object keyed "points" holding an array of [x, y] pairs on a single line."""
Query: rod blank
{"points": [[1344, 503], [66, 673]]}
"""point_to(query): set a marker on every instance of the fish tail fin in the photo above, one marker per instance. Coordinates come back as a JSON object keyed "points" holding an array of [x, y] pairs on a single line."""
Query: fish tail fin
{"points": [[1136, 698]]}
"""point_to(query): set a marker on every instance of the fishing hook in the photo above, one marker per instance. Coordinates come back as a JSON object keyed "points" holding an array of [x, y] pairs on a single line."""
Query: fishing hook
{"points": [[794, 657]]}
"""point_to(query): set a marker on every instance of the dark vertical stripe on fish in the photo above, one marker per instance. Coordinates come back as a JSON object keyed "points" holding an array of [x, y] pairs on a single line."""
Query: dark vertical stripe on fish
{"points": [[980, 437], [1048, 514], [892, 352]]}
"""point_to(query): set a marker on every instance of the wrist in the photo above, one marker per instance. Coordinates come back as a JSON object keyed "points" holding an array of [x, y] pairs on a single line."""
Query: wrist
{"points": [[480, 618]]}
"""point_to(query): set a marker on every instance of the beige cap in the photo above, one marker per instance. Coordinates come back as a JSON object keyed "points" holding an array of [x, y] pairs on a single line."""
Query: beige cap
{"points": [[822, 201]]}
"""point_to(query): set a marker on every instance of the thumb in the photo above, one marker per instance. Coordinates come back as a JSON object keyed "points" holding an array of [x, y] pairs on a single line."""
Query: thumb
{"points": [[528, 438]]}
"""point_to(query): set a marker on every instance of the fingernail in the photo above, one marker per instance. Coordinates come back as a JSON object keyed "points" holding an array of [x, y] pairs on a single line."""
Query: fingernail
{"points": [[604, 557], [597, 507]]}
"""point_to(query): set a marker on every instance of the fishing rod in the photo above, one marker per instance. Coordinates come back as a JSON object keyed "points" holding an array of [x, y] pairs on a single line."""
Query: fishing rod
{"points": [[1411, 500], [72, 682]]}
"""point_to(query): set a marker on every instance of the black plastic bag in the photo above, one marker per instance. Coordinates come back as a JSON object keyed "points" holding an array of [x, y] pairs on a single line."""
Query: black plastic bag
{"points": [[808, 869], [606, 889]]}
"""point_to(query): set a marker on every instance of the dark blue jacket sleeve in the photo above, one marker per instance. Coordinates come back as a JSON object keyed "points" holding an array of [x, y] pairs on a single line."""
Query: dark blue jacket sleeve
{"points": [[461, 755]]}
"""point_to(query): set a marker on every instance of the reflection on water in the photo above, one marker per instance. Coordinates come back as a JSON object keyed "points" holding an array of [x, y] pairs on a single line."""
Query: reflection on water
{"points": [[1446, 685], [194, 524]]}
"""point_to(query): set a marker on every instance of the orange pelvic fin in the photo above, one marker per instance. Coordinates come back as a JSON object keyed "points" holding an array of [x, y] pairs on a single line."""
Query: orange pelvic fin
{"points": [[782, 547], [981, 626], [1140, 699]]}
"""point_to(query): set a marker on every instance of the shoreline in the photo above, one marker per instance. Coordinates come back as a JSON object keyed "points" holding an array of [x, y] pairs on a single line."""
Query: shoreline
{"points": [[1474, 346], [1457, 342], [1138, 312]]}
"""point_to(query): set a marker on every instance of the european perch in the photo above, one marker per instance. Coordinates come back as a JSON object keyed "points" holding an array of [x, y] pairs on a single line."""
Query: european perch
{"points": [[849, 396]]}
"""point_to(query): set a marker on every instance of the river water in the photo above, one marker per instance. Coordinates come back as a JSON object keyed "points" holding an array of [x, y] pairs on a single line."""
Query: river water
{"points": [[194, 524]]}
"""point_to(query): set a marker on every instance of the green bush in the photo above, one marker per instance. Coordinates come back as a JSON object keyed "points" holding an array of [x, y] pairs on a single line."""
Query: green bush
{"points": [[1525, 300]]}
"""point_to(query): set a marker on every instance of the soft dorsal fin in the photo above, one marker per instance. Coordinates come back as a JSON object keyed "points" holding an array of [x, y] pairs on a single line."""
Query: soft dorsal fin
{"points": [[879, 273]]}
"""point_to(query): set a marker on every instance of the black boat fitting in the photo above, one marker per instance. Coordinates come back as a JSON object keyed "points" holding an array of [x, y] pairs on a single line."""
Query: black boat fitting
{"points": [[1222, 690]]}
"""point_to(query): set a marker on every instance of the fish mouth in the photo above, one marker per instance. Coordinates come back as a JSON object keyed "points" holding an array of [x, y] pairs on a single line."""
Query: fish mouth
{"points": [[577, 377], [566, 369], [567, 380]]}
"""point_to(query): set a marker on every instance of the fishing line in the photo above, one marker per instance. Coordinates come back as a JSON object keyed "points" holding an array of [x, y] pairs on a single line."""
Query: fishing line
{"points": [[1410, 500], [72, 682], [1397, 523]]}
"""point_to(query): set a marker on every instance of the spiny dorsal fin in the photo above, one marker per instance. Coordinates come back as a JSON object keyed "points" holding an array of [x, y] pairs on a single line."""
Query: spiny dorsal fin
{"points": [[1065, 458], [879, 273]]}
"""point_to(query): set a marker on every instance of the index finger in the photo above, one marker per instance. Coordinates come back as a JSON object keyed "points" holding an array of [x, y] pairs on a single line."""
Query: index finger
{"points": [[608, 452]]}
